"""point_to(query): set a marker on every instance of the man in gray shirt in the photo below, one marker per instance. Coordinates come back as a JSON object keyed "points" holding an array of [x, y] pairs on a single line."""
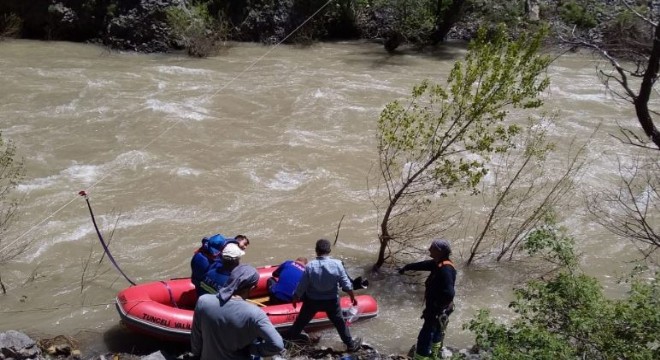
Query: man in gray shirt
{"points": [[225, 326], [319, 290]]}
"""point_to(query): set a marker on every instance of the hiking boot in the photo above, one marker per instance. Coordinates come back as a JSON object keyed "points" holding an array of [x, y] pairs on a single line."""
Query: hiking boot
{"points": [[355, 345], [436, 351]]}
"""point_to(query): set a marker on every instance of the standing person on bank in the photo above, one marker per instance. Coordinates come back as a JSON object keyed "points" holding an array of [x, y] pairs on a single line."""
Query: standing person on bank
{"points": [[319, 290], [228, 327], [438, 296]]}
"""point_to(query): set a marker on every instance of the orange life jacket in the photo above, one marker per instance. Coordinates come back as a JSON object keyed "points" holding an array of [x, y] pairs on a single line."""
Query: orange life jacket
{"points": [[449, 308], [446, 262]]}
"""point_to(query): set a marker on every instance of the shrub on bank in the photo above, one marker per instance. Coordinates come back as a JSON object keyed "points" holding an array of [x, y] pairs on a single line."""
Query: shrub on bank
{"points": [[10, 25], [569, 317], [578, 13]]}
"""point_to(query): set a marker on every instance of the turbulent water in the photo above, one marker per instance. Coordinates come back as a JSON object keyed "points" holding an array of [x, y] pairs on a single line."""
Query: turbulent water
{"points": [[275, 143]]}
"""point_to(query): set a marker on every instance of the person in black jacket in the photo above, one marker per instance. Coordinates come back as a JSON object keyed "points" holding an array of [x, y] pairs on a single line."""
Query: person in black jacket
{"points": [[438, 296]]}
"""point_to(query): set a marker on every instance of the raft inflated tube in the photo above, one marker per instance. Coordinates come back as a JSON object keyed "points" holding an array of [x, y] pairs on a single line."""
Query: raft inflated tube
{"points": [[164, 309]]}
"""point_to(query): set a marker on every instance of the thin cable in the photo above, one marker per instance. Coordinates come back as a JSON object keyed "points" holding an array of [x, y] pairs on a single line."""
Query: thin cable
{"points": [[175, 123], [274, 46], [2, 250]]}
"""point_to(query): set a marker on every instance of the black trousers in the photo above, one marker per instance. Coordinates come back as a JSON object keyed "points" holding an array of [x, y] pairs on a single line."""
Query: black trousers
{"points": [[332, 309]]}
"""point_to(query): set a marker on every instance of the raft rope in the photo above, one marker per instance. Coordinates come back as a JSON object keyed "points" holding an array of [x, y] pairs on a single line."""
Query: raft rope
{"points": [[167, 129], [105, 246], [169, 291]]}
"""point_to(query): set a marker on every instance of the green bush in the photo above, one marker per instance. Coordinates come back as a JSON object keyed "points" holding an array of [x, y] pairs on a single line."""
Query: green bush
{"points": [[494, 12], [572, 12], [10, 25], [186, 22], [198, 32], [413, 20], [628, 36], [568, 316]]}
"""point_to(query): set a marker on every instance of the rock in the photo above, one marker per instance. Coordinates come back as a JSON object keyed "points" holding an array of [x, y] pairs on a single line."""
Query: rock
{"points": [[470, 354], [141, 27], [154, 356], [533, 9], [16, 345], [58, 346], [446, 353]]}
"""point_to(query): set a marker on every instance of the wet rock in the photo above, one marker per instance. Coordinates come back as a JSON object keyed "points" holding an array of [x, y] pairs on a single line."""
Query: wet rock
{"points": [[472, 354], [59, 346], [18, 346], [446, 353], [141, 27]]}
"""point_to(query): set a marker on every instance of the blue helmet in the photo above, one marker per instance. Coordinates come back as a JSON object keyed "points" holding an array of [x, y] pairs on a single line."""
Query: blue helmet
{"points": [[216, 243]]}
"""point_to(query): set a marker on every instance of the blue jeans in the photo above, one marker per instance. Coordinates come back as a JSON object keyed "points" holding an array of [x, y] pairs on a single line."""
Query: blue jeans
{"points": [[332, 309], [431, 332]]}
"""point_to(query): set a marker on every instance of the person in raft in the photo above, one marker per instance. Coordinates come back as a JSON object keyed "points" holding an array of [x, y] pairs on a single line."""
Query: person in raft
{"points": [[241, 240], [225, 326], [218, 274], [285, 280], [439, 299], [208, 253], [319, 290]]}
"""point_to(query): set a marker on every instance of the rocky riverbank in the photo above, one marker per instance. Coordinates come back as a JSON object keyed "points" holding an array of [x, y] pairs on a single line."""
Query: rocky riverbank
{"points": [[154, 25], [15, 345]]}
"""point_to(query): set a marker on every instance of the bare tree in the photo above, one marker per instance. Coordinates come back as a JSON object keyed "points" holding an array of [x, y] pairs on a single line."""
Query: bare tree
{"points": [[524, 190], [632, 211], [634, 64], [631, 45], [11, 173]]}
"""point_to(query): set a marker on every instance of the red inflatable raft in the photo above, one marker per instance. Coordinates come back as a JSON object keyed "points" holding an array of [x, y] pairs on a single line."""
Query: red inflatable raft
{"points": [[164, 309]]}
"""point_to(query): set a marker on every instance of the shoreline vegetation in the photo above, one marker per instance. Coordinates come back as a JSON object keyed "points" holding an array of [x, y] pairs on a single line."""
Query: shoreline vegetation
{"points": [[206, 27]]}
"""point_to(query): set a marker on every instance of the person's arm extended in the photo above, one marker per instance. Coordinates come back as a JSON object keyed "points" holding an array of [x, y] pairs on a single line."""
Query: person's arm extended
{"points": [[426, 265], [271, 341]]}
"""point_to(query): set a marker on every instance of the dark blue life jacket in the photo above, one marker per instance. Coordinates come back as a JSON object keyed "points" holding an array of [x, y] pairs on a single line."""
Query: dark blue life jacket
{"points": [[289, 275], [204, 256], [215, 278]]}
